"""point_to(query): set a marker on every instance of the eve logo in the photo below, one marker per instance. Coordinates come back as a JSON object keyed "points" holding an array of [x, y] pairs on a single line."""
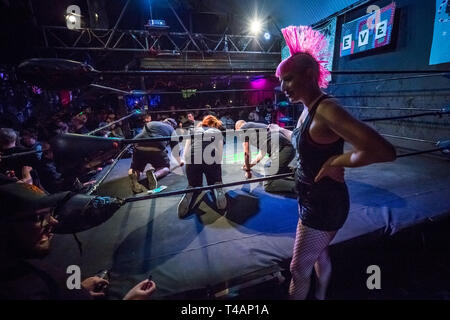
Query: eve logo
{"points": [[347, 42], [74, 280], [374, 280]]}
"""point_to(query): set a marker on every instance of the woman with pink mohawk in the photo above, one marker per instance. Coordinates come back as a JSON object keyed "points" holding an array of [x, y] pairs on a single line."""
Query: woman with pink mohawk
{"points": [[319, 139]]}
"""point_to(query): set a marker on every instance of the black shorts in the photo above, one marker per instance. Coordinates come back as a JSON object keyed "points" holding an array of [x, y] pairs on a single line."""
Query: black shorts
{"points": [[194, 173], [157, 159], [324, 205]]}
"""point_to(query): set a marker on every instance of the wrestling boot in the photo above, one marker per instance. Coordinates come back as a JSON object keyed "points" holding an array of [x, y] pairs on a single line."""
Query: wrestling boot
{"points": [[184, 205], [136, 187], [187, 202], [151, 178], [221, 200]]}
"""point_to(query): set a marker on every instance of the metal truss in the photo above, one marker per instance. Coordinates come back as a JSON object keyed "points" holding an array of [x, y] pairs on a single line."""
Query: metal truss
{"points": [[155, 41]]}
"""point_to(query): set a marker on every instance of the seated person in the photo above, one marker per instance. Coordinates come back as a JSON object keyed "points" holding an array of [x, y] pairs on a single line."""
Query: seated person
{"points": [[17, 167], [26, 223], [188, 122], [51, 179], [254, 116], [30, 140], [78, 124], [114, 130], [227, 121]]}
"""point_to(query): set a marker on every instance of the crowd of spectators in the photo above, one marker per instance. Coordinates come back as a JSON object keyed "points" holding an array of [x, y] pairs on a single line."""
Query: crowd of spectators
{"points": [[34, 133]]}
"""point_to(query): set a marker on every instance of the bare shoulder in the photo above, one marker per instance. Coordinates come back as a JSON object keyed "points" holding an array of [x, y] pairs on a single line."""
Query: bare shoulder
{"points": [[329, 105], [331, 110]]}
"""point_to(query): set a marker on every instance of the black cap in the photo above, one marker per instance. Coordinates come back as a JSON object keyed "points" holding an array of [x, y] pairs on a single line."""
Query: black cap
{"points": [[19, 197]]}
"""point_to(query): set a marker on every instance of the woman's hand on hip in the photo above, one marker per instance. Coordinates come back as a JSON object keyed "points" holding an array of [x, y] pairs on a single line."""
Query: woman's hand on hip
{"points": [[327, 170]]}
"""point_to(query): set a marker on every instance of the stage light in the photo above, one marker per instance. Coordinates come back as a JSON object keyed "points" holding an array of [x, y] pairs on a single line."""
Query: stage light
{"points": [[267, 36], [71, 18], [255, 26]]}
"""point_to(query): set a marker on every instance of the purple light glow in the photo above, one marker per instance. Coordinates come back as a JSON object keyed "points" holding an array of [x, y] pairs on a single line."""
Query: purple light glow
{"points": [[265, 85], [260, 84]]}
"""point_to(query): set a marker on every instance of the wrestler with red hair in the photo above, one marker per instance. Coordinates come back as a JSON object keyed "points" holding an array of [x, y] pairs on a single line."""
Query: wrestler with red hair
{"points": [[203, 156]]}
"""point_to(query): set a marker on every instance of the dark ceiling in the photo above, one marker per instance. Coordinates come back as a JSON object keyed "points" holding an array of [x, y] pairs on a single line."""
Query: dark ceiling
{"points": [[20, 19]]}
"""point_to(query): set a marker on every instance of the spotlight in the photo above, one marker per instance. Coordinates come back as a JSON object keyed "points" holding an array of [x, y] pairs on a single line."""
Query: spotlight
{"points": [[255, 26], [72, 18], [267, 36]]}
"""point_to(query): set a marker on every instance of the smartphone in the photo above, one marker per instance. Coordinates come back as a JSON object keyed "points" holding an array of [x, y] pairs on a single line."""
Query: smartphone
{"points": [[147, 285], [104, 274]]}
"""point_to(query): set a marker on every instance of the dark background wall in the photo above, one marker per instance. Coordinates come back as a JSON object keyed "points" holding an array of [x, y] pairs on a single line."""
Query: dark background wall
{"points": [[410, 50]]}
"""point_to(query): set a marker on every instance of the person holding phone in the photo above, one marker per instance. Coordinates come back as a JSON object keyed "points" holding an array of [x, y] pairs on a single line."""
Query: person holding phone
{"points": [[27, 221]]}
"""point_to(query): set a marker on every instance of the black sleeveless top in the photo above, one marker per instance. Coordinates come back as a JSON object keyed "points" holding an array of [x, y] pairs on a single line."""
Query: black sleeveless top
{"points": [[311, 155]]}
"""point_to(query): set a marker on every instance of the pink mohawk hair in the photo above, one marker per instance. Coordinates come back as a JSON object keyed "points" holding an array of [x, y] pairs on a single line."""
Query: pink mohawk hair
{"points": [[304, 39]]}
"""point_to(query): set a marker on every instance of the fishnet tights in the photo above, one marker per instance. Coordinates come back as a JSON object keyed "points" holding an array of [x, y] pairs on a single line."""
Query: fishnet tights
{"points": [[310, 250]]}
